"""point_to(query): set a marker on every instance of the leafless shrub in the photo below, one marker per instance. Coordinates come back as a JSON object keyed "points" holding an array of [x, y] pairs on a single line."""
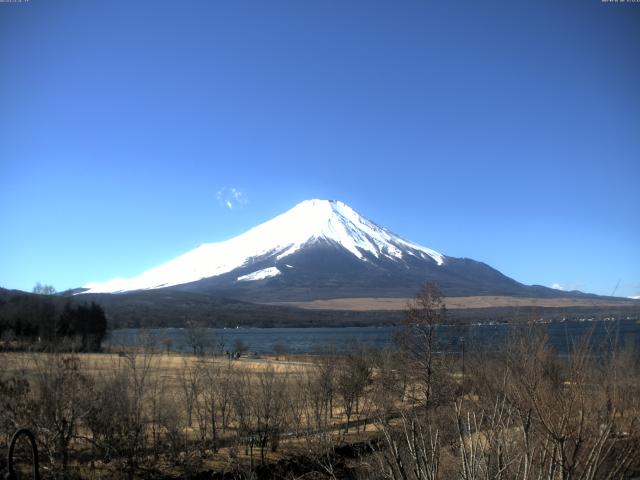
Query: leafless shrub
{"points": [[409, 451], [126, 390], [56, 405], [14, 405]]}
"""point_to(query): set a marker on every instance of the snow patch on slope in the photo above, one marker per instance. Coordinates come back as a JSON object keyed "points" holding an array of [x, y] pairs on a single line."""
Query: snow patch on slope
{"points": [[260, 274]]}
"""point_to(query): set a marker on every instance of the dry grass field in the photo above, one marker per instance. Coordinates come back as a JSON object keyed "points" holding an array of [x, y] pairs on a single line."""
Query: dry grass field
{"points": [[452, 303], [168, 366]]}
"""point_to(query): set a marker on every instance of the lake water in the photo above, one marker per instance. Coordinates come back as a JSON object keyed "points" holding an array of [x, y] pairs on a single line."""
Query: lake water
{"points": [[313, 340]]}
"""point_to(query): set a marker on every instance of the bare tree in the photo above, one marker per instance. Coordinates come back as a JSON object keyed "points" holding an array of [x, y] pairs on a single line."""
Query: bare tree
{"points": [[269, 409], [353, 376], [240, 347], [167, 342], [214, 401], [259, 405], [242, 394], [128, 390], [325, 381], [196, 338], [390, 383], [280, 350], [424, 314], [41, 289], [59, 388], [316, 429], [189, 381]]}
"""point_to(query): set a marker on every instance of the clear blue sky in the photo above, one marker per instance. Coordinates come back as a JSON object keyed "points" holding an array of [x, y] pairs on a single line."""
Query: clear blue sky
{"points": [[507, 132]]}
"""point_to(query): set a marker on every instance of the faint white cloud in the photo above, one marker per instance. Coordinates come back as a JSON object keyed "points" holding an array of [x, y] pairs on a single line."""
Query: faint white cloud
{"points": [[231, 197], [635, 297], [557, 286]]}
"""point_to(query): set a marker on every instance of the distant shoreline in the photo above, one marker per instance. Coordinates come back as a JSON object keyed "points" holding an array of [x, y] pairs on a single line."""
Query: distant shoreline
{"points": [[307, 340]]}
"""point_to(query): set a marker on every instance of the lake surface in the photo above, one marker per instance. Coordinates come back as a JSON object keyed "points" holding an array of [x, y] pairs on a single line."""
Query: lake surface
{"points": [[313, 340]]}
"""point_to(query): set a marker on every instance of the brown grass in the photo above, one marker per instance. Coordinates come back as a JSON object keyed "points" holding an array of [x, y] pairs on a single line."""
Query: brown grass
{"points": [[167, 365], [395, 304]]}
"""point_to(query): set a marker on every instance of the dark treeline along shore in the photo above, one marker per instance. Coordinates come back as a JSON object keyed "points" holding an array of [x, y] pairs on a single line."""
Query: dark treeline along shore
{"points": [[42, 321], [174, 308], [177, 308]]}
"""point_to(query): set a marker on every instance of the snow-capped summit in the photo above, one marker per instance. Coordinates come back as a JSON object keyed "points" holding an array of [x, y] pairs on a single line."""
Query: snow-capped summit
{"points": [[318, 223], [335, 221], [319, 249]]}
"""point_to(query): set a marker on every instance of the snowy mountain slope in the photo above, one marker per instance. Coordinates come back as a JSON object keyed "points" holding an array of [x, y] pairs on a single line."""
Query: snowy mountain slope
{"points": [[309, 223], [319, 249]]}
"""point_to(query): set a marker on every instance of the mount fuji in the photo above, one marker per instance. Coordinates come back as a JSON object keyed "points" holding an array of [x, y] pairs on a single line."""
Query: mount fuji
{"points": [[319, 249]]}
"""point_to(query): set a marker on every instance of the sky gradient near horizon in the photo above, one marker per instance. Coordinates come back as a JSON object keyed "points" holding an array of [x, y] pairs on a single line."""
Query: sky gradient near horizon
{"points": [[506, 132]]}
